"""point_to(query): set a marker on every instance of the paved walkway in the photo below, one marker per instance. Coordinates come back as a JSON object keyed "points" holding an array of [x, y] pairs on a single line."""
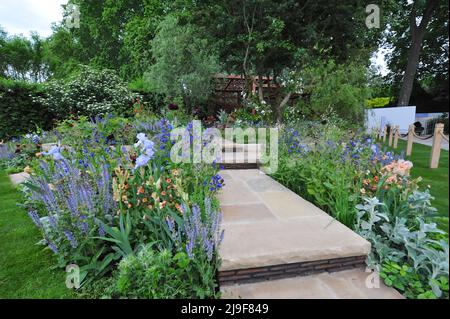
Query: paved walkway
{"points": [[277, 245], [268, 224], [346, 284], [18, 178]]}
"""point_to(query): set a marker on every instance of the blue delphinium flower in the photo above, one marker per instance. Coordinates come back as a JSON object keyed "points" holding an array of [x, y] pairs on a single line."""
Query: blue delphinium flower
{"points": [[216, 182]]}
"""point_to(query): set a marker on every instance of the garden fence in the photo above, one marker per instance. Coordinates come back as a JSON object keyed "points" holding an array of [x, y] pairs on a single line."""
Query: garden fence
{"points": [[393, 134]]}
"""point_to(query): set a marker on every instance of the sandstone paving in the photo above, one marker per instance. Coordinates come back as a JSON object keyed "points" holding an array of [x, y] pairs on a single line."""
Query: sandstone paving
{"points": [[19, 178], [346, 284], [267, 224]]}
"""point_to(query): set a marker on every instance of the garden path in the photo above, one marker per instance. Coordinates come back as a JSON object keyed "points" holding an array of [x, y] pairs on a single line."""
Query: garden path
{"points": [[18, 178], [278, 245]]}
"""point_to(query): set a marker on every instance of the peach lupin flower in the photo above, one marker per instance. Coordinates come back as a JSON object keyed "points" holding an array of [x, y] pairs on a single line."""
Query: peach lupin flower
{"points": [[163, 193], [141, 190], [168, 180]]}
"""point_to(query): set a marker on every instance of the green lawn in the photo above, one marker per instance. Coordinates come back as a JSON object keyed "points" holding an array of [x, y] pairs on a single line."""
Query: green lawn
{"points": [[25, 268], [437, 178]]}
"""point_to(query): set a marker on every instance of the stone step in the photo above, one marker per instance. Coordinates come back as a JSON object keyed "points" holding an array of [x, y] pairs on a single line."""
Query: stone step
{"points": [[271, 232], [240, 157], [240, 160], [347, 284]]}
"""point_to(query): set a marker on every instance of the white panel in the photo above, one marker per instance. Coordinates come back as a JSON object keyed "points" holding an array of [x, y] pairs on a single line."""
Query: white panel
{"points": [[400, 115]]}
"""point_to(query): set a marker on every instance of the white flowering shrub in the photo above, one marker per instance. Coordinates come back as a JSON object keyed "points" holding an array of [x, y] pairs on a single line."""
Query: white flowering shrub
{"points": [[90, 92]]}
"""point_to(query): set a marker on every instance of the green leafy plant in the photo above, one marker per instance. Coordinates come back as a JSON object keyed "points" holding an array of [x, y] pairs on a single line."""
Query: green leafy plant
{"points": [[153, 274]]}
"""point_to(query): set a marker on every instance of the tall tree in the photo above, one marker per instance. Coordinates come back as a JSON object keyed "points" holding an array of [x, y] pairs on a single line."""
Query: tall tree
{"points": [[417, 32]]}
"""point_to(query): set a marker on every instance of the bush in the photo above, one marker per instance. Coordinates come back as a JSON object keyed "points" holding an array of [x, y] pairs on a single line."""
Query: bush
{"points": [[19, 111], [88, 92]]}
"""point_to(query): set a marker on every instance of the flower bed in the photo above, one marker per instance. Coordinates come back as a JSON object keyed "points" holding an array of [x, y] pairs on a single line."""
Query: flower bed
{"points": [[371, 191], [136, 224]]}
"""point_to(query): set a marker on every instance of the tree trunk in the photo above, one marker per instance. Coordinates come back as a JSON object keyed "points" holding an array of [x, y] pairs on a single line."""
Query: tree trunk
{"points": [[280, 107], [417, 35], [260, 89]]}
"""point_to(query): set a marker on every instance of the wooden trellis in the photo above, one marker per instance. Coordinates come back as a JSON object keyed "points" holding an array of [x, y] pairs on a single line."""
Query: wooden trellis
{"points": [[229, 90]]}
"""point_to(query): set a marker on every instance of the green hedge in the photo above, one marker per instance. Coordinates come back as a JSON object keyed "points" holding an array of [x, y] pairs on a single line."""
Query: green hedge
{"points": [[19, 112]]}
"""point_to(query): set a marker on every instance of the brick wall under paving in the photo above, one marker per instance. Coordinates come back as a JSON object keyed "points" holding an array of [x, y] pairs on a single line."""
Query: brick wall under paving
{"points": [[289, 270]]}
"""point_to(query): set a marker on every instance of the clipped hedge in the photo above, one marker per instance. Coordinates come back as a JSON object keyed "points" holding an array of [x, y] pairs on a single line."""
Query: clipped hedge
{"points": [[20, 112]]}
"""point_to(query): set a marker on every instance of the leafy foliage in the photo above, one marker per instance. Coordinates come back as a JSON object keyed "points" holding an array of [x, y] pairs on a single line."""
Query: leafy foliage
{"points": [[184, 63], [20, 111], [164, 275], [342, 88]]}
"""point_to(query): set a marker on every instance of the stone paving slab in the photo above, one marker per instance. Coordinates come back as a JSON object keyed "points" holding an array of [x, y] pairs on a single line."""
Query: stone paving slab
{"points": [[347, 284], [283, 228], [19, 178]]}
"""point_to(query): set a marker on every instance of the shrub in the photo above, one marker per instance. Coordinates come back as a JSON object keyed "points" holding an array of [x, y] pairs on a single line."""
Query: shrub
{"points": [[20, 111], [88, 92]]}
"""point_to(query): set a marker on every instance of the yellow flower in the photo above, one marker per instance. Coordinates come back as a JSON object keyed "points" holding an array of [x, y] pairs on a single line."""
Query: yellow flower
{"points": [[27, 169]]}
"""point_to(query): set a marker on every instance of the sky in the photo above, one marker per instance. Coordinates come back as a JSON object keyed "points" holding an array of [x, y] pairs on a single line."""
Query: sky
{"points": [[23, 16]]}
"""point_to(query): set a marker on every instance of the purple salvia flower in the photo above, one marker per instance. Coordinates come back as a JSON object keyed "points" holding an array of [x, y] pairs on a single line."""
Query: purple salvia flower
{"points": [[52, 246], [71, 238], [101, 231], [35, 218]]}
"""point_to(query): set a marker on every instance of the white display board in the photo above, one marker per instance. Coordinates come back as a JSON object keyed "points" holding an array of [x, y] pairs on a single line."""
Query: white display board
{"points": [[400, 115]]}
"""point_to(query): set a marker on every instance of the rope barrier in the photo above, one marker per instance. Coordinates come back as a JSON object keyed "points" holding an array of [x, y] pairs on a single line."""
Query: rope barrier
{"points": [[444, 137], [422, 138]]}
